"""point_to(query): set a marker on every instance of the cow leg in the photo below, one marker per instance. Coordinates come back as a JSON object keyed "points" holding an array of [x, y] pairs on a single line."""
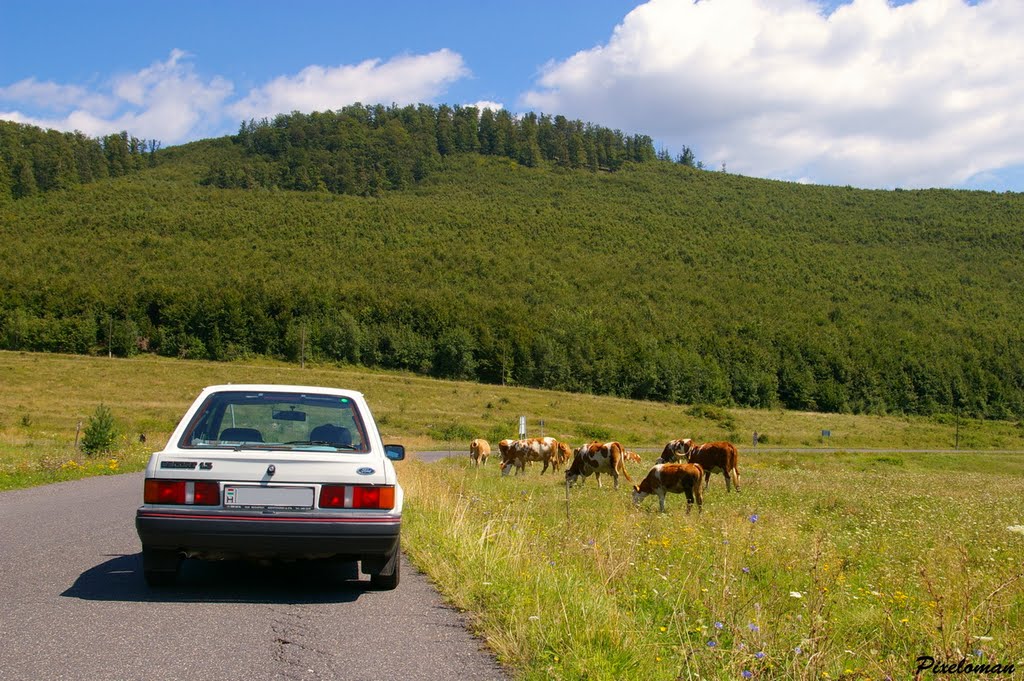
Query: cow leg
{"points": [[689, 497], [661, 500], [707, 479], [615, 479], [736, 478], [728, 481], [597, 476]]}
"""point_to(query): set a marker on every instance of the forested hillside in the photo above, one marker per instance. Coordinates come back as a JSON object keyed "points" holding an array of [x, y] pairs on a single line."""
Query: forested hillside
{"points": [[654, 281]]}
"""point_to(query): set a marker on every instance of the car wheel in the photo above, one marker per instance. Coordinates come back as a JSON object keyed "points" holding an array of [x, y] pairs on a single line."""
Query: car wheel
{"points": [[160, 566], [387, 582]]}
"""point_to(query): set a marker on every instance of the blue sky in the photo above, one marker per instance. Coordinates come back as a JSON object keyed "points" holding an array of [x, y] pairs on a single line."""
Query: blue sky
{"points": [[916, 93]]}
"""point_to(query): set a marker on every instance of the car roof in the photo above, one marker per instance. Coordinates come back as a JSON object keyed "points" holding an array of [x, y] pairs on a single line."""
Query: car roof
{"points": [[281, 388]]}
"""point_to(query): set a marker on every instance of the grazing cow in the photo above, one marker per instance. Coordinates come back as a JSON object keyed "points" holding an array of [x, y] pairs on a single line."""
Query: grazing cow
{"points": [[678, 478], [714, 456], [675, 451], [597, 458], [631, 456], [479, 450], [517, 453]]}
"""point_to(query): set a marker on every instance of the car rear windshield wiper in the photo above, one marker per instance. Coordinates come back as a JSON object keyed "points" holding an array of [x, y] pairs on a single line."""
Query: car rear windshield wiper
{"points": [[322, 443]]}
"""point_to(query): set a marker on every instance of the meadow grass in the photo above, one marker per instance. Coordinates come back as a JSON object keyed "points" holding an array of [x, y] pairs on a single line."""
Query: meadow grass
{"points": [[824, 566], [827, 565]]}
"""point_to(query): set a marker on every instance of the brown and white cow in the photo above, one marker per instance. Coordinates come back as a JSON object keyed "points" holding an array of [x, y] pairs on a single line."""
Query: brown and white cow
{"points": [[597, 458], [717, 456], [678, 478], [517, 453], [675, 451], [479, 450]]}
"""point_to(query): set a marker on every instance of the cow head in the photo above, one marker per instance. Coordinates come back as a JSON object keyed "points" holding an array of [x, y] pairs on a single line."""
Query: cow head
{"points": [[638, 496]]}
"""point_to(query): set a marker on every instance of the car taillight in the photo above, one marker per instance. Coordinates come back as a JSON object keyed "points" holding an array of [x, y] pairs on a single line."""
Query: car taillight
{"points": [[347, 496], [198, 492]]}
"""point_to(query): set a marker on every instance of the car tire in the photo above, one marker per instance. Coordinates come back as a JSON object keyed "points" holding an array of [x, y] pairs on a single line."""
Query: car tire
{"points": [[382, 582], [160, 566]]}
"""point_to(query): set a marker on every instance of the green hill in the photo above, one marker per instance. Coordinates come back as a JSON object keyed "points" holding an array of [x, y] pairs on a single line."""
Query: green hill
{"points": [[655, 281]]}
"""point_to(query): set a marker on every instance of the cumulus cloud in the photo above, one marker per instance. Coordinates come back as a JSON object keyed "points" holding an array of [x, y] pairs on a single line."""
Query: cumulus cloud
{"points": [[166, 100], [871, 94], [406, 79], [170, 102]]}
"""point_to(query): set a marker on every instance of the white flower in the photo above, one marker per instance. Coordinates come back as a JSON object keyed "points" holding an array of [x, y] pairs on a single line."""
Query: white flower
{"points": [[795, 594], [1019, 529], [534, 618]]}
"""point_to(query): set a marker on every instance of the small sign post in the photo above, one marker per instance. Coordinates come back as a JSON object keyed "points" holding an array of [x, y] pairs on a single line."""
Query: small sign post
{"points": [[522, 427]]}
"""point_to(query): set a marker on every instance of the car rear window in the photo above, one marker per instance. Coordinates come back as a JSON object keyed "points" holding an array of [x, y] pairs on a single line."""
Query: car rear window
{"points": [[276, 420]]}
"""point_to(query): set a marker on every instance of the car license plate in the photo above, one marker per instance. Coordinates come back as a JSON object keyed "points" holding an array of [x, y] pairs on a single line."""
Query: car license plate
{"points": [[268, 497]]}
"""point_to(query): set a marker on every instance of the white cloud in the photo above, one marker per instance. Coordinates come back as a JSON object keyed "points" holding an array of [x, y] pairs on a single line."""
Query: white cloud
{"points": [[170, 102], [485, 104], [167, 101], [923, 94], [407, 79]]}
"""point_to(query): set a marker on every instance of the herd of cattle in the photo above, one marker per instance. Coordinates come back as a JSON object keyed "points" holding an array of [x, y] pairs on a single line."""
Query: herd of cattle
{"points": [[679, 469]]}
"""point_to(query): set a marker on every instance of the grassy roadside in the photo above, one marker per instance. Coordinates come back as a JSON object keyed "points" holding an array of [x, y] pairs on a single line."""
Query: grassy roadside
{"points": [[831, 567]]}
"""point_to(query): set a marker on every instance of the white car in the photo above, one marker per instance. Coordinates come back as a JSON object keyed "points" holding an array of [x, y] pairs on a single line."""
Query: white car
{"points": [[273, 472]]}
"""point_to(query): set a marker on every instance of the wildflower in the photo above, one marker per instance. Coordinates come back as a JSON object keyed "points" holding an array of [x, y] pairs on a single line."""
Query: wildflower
{"points": [[753, 518], [795, 594], [746, 570], [534, 618], [753, 627], [711, 644], [718, 625], [978, 653], [747, 673], [551, 563], [797, 650], [663, 629], [759, 654]]}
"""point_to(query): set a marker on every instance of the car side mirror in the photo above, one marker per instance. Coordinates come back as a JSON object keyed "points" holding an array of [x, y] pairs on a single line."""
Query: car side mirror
{"points": [[394, 452]]}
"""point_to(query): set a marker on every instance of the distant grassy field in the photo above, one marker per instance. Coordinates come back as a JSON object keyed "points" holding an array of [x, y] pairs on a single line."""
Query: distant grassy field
{"points": [[827, 565], [45, 396]]}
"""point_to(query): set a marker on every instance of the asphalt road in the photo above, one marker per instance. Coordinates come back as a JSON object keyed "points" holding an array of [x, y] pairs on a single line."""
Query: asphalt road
{"points": [[73, 605]]}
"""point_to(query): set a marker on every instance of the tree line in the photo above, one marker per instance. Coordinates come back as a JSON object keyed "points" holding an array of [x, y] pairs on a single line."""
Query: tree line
{"points": [[34, 161], [368, 149]]}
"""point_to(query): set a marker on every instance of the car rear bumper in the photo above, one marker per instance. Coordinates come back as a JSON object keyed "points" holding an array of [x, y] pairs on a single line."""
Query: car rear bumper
{"points": [[216, 534]]}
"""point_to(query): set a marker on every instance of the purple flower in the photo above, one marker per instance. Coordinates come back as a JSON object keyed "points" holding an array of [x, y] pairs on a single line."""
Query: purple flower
{"points": [[551, 563], [753, 627], [746, 571], [711, 644], [759, 654], [718, 625], [753, 518], [747, 673], [797, 650]]}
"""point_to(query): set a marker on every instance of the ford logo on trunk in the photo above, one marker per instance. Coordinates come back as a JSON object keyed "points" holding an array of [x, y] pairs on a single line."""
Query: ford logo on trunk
{"points": [[366, 471]]}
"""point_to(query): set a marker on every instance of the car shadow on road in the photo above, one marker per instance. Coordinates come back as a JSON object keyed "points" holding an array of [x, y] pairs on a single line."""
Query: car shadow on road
{"points": [[120, 579]]}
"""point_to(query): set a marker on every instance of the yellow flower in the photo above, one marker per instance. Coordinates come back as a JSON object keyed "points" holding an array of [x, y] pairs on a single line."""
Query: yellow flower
{"points": [[663, 629]]}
